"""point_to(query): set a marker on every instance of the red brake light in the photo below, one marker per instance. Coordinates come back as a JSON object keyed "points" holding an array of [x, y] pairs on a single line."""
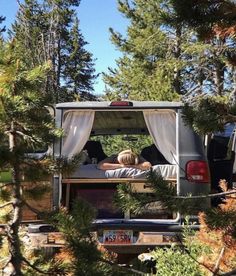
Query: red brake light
{"points": [[197, 171], [121, 103]]}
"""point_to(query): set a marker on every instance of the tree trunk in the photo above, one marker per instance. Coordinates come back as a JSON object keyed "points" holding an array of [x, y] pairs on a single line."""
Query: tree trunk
{"points": [[233, 93], [177, 53], [219, 68], [13, 227], [219, 77]]}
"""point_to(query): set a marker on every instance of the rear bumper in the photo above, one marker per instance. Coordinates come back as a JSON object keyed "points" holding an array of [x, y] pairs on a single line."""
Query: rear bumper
{"points": [[145, 226], [146, 236], [143, 242], [132, 249]]}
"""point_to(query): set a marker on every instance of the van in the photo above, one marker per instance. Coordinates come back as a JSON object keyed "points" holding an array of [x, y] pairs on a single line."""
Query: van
{"points": [[175, 151]]}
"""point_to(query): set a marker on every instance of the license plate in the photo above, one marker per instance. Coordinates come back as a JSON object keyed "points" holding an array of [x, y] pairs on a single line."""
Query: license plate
{"points": [[117, 236]]}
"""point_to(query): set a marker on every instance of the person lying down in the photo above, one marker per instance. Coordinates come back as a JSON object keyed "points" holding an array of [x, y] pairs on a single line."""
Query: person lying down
{"points": [[124, 159]]}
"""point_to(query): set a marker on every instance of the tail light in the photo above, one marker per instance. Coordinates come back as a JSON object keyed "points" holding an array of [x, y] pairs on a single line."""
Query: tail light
{"points": [[121, 103], [197, 171]]}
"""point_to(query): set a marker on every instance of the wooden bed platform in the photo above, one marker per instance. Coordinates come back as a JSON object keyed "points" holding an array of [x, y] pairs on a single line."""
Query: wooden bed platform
{"points": [[139, 185]]}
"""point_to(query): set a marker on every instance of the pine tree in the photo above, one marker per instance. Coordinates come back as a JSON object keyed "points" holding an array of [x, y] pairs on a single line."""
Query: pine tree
{"points": [[78, 72], [163, 56], [214, 22], [153, 66], [206, 15], [24, 125], [135, 76], [44, 30], [84, 255]]}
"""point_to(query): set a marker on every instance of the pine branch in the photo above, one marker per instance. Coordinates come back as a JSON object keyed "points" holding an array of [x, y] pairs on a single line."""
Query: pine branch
{"points": [[230, 118], [34, 267], [207, 196], [25, 136], [6, 204], [216, 268], [5, 184], [37, 212], [148, 38]]}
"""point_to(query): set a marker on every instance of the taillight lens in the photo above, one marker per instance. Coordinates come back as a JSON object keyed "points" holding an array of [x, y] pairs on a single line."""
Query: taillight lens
{"points": [[197, 171], [121, 103]]}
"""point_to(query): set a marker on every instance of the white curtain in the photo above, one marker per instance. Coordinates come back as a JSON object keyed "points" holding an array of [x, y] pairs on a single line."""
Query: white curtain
{"points": [[162, 127], [77, 126]]}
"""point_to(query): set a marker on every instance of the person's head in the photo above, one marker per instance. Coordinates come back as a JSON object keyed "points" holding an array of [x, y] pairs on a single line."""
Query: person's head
{"points": [[127, 157]]}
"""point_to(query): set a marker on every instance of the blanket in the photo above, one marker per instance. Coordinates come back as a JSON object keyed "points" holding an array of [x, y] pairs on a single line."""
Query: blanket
{"points": [[91, 171]]}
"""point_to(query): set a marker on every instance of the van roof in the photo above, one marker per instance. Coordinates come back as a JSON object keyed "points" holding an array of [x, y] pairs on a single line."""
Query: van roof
{"points": [[107, 105]]}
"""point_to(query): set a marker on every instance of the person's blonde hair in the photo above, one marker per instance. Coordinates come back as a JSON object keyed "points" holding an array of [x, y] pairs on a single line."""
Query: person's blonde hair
{"points": [[127, 157]]}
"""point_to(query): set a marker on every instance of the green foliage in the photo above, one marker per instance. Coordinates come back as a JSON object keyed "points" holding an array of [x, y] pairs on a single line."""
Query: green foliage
{"points": [[204, 15], [223, 218], [134, 82], [75, 227], [23, 112], [21, 102], [137, 202], [160, 60], [5, 193], [181, 259], [67, 166], [79, 72], [209, 59], [114, 144], [5, 176], [55, 23], [6, 157], [189, 240], [5, 216], [86, 258], [209, 113], [173, 261], [25, 124], [163, 191], [128, 201], [147, 70], [36, 170], [49, 266], [77, 222], [37, 192]]}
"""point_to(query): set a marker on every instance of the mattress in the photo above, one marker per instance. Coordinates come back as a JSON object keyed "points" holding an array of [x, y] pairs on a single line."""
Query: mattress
{"points": [[91, 171]]}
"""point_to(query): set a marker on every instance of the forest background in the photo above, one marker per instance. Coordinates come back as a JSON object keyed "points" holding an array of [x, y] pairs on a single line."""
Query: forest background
{"points": [[171, 50], [95, 19]]}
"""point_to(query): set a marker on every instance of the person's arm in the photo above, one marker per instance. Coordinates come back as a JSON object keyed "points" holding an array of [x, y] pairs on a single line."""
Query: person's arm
{"points": [[108, 164], [145, 165]]}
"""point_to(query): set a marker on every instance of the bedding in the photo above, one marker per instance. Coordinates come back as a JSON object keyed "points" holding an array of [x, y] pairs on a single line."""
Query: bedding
{"points": [[91, 171]]}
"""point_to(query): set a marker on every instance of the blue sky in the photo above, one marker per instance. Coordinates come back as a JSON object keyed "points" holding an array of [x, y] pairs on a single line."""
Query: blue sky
{"points": [[95, 16]]}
